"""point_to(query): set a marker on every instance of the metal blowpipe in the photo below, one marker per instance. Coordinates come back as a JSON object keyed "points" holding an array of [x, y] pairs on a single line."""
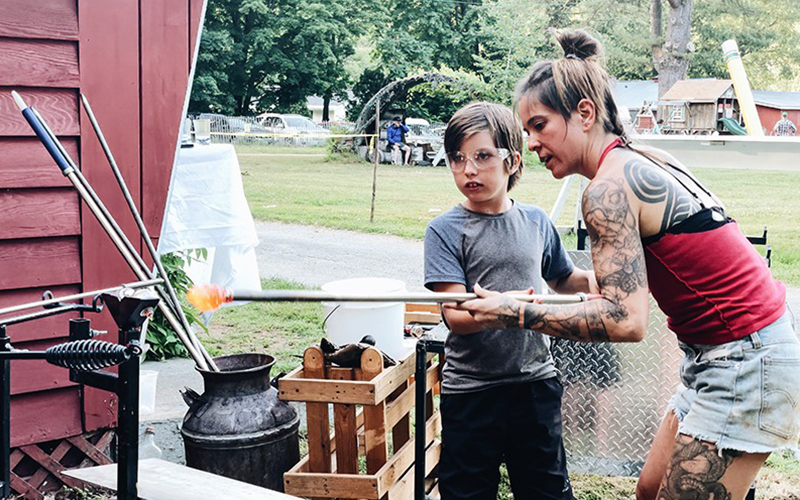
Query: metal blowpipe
{"points": [[118, 237], [209, 297]]}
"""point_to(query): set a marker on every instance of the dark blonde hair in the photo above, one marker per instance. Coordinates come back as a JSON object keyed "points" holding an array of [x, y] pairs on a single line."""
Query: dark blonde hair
{"points": [[560, 84], [501, 123]]}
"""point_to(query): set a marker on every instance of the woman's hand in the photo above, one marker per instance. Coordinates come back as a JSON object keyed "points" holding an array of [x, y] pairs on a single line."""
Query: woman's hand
{"points": [[493, 309]]}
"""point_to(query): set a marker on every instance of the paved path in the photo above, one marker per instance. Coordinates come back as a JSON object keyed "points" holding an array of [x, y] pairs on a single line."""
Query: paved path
{"points": [[315, 255]]}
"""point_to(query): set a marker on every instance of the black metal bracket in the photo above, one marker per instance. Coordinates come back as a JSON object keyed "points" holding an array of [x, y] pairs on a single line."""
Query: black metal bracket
{"points": [[125, 385], [424, 346]]}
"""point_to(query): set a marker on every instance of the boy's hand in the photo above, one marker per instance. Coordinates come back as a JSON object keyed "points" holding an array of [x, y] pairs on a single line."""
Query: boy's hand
{"points": [[493, 309]]}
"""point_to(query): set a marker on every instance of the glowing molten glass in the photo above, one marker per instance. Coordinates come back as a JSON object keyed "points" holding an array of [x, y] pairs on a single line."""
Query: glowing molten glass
{"points": [[208, 297]]}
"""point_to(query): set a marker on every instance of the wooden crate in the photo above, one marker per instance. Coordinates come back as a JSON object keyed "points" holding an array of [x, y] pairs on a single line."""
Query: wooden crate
{"points": [[369, 403], [423, 312]]}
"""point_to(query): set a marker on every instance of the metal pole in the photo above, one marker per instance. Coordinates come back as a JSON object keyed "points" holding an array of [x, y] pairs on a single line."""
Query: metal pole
{"points": [[162, 306], [419, 420], [5, 418], [143, 230], [128, 428], [377, 157], [78, 296], [322, 296], [53, 147]]}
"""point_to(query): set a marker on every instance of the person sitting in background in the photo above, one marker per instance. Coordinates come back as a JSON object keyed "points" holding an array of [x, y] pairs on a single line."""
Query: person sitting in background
{"points": [[394, 136], [784, 127]]}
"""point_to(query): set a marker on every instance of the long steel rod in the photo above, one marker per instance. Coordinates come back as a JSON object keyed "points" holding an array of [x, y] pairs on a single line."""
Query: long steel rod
{"points": [[162, 305], [322, 296], [78, 296], [51, 144], [124, 245], [166, 299], [142, 228]]}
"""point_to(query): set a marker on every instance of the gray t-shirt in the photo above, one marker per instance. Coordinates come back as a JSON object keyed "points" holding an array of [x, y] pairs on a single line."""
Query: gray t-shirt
{"points": [[509, 251]]}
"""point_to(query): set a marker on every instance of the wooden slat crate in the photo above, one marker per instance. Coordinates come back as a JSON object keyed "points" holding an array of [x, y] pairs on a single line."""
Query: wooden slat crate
{"points": [[385, 398]]}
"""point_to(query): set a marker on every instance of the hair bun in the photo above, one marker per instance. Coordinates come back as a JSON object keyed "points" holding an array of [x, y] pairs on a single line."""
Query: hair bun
{"points": [[578, 44]]}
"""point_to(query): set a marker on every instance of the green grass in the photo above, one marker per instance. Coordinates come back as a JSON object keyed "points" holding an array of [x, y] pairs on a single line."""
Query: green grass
{"points": [[336, 192], [280, 329]]}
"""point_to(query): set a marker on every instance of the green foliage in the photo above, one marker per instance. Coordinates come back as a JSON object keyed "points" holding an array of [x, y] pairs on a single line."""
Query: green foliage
{"points": [[425, 34], [259, 55], [437, 103], [767, 35], [368, 84], [161, 338]]}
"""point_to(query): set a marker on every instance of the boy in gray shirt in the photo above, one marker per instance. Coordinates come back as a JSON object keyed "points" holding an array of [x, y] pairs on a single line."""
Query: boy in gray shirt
{"points": [[500, 398]]}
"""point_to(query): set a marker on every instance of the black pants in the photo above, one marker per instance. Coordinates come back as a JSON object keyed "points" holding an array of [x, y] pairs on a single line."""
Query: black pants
{"points": [[519, 424]]}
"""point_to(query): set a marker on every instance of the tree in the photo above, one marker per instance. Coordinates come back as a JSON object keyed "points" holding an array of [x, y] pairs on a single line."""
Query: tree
{"points": [[428, 34], [258, 55], [671, 59], [765, 32]]}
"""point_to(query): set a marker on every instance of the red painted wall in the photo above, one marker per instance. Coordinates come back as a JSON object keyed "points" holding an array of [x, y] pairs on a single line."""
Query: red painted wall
{"points": [[131, 58], [770, 116]]}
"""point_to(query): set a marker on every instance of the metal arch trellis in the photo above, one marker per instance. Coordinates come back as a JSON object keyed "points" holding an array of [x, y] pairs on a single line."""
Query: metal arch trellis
{"points": [[390, 92]]}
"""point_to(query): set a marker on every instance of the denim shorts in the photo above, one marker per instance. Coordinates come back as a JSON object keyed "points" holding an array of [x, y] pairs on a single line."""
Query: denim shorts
{"points": [[743, 395]]}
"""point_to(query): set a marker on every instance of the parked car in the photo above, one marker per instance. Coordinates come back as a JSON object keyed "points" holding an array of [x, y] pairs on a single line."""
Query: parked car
{"points": [[424, 140], [293, 125]]}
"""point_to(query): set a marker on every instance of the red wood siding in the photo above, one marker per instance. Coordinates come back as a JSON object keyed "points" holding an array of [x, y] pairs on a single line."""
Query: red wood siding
{"points": [[45, 328], [38, 63], [42, 19], [25, 163], [131, 59], [44, 416], [48, 376], [39, 262], [109, 54], [22, 209], [164, 24], [58, 107]]}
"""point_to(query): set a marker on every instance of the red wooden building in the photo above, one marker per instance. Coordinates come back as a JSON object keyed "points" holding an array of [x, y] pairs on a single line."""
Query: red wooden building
{"points": [[132, 59], [770, 105]]}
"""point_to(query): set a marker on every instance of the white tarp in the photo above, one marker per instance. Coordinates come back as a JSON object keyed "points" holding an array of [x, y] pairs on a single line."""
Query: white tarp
{"points": [[206, 208]]}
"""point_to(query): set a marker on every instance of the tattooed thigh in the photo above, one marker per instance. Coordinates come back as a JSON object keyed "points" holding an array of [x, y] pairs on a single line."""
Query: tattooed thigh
{"points": [[695, 471]]}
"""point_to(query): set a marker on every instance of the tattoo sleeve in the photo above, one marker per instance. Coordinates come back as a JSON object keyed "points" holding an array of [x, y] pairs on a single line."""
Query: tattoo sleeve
{"points": [[619, 266]]}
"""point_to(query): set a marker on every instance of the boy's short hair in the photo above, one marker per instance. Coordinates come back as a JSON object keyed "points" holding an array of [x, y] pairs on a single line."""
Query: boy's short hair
{"points": [[501, 123]]}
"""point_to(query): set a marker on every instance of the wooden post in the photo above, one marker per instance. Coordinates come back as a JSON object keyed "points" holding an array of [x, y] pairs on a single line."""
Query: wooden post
{"points": [[319, 450], [374, 416], [377, 156]]}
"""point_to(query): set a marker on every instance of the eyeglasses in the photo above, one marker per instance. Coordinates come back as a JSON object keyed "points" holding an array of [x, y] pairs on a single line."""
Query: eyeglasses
{"points": [[482, 159]]}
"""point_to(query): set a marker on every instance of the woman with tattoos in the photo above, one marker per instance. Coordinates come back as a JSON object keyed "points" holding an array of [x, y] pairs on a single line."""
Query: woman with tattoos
{"points": [[501, 400], [653, 225]]}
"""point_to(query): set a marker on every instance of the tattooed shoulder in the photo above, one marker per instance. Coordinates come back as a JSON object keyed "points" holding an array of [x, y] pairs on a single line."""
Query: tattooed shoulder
{"points": [[652, 185]]}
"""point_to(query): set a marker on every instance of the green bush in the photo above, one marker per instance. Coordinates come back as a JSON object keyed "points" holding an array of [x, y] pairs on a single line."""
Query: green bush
{"points": [[163, 341]]}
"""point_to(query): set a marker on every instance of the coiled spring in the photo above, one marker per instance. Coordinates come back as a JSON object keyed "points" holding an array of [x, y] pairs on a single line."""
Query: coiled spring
{"points": [[88, 355]]}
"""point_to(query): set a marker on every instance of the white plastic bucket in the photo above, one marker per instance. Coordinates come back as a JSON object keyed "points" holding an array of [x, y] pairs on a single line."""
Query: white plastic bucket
{"points": [[348, 322], [147, 391]]}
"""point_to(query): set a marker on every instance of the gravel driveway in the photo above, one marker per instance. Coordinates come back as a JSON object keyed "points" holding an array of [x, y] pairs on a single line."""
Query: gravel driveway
{"points": [[315, 255]]}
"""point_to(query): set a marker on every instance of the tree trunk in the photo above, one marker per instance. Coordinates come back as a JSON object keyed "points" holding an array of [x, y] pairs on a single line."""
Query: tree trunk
{"points": [[656, 32], [670, 59], [326, 104]]}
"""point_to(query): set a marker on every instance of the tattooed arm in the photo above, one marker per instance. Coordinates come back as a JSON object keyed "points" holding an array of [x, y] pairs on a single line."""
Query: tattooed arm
{"points": [[618, 258]]}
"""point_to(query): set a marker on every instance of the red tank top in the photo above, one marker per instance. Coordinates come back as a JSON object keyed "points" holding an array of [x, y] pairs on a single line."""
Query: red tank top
{"points": [[708, 279], [711, 283]]}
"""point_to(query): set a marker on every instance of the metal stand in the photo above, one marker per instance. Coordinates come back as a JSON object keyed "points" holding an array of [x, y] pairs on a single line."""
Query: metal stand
{"points": [[424, 346], [84, 358], [5, 417]]}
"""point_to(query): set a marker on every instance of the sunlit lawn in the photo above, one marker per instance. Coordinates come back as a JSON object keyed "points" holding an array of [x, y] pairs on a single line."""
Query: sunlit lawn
{"points": [[337, 193]]}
